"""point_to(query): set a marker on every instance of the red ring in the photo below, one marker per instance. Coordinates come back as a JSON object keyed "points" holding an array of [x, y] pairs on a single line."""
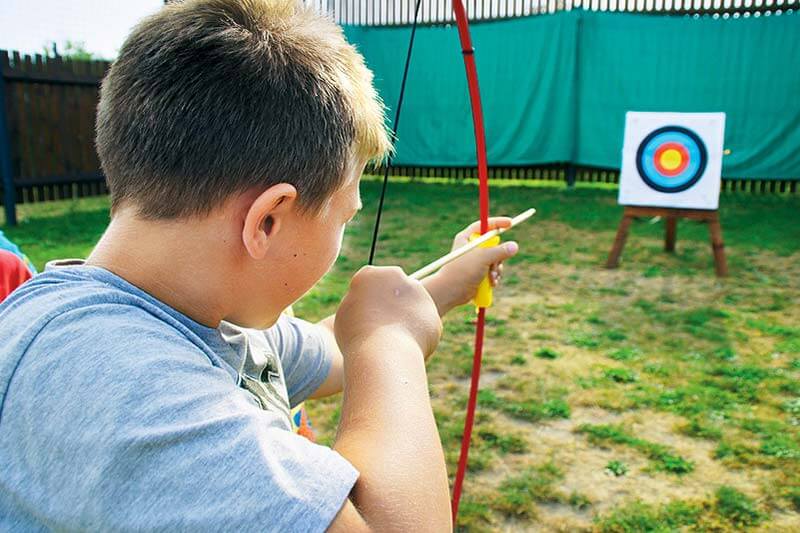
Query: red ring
{"points": [[671, 146]]}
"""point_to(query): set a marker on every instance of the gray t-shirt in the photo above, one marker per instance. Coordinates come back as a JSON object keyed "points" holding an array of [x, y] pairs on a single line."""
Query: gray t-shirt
{"points": [[118, 413]]}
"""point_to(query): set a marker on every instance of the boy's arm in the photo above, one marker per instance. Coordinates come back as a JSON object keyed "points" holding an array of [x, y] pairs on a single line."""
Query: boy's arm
{"points": [[452, 286], [333, 384], [386, 326]]}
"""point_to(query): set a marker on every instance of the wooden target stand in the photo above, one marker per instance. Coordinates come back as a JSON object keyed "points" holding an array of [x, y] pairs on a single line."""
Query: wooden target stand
{"points": [[671, 216]]}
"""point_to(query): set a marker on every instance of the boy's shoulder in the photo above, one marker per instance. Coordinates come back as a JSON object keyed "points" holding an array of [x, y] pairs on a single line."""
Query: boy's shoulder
{"points": [[83, 322], [78, 317], [81, 299], [105, 395], [59, 291]]}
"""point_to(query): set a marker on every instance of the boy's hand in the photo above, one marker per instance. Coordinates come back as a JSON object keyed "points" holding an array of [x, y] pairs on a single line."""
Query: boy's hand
{"points": [[385, 305], [457, 282]]}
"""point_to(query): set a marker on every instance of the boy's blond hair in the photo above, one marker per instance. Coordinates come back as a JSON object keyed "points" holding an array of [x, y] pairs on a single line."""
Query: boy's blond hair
{"points": [[210, 98]]}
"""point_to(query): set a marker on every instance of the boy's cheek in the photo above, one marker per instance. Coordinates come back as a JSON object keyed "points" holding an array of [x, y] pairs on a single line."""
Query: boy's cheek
{"points": [[336, 250], [327, 254], [340, 241]]}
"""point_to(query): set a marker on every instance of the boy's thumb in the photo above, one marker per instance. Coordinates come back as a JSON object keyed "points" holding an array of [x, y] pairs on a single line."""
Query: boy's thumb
{"points": [[499, 253]]}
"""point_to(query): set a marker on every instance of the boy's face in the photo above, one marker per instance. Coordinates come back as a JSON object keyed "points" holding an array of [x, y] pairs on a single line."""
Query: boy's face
{"points": [[301, 252], [321, 234]]}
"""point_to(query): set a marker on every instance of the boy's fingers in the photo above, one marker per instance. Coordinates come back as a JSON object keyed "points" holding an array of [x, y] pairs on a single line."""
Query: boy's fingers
{"points": [[498, 254], [495, 273], [494, 222], [496, 269]]}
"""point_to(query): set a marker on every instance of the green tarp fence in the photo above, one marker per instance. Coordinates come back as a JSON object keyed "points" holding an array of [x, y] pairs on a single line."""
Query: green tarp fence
{"points": [[555, 88]]}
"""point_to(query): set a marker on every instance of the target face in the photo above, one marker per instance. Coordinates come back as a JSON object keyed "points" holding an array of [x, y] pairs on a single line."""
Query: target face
{"points": [[671, 159]]}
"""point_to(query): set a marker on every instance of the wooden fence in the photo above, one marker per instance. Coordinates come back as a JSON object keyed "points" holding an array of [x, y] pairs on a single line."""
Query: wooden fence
{"points": [[47, 105], [47, 110]]}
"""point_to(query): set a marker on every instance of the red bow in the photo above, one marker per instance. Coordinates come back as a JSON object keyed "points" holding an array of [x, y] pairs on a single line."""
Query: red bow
{"points": [[483, 178], [483, 200]]}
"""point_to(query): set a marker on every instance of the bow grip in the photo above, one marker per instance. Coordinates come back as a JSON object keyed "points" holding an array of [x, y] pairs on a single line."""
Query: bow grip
{"points": [[483, 298]]}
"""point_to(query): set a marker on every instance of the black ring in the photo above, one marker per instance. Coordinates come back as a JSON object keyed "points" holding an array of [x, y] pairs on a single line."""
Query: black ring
{"points": [[701, 147]]}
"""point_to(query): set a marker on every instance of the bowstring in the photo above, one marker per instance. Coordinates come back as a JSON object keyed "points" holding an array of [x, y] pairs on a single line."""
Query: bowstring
{"points": [[396, 122]]}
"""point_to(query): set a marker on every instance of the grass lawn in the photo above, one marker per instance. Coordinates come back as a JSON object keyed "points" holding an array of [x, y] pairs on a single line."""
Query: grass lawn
{"points": [[650, 398]]}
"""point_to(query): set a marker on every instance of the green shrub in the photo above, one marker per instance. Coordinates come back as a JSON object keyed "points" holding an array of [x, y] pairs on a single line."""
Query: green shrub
{"points": [[615, 335], [579, 501], [518, 494], [518, 360], [583, 339], [504, 443], [639, 517], [695, 428], [625, 354], [661, 456], [618, 468], [793, 495], [621, 375], [737, 508], [534, 411], [547, 353]]}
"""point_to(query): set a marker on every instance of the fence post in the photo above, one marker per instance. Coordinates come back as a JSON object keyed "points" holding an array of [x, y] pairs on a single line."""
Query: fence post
{"points": [[571, 174], [9, 192]]}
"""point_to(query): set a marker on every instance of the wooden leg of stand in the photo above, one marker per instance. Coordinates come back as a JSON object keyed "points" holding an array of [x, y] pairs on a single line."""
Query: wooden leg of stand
{"points": [[619, 241], [672, 230], [720, 264]]}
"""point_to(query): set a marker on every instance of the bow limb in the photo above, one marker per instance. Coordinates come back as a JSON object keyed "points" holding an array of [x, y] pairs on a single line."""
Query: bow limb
{"points": [[483, 185]]}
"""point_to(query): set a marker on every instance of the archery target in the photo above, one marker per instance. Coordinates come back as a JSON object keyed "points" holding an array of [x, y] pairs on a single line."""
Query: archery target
{"points": [[672, 160]]}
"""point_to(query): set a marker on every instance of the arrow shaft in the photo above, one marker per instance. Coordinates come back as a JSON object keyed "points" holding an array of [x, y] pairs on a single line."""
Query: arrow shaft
{"points": [[471, 245]]}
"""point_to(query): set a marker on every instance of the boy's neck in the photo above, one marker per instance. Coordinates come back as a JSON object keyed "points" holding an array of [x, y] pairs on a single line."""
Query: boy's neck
{"points": [[184, 265]]}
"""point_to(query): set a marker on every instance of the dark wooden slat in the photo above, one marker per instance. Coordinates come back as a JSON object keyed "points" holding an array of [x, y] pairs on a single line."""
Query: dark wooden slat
{"points": [[23, 119], [50, 125], [36, 94], [6, 165], [12, 120], [41, 77], [53, 180]]}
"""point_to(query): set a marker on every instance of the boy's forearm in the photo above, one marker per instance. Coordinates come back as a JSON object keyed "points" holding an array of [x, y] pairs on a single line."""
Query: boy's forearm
{"points": [[442, 296], [441, 292], [387, 431]]}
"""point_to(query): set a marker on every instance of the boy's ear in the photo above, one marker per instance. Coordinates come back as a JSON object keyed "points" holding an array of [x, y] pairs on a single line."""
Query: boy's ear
{"points": [[265, 217]]}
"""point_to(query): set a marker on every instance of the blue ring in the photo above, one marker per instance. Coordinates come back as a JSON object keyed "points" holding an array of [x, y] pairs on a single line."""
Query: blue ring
{"points": [[698, 159]]}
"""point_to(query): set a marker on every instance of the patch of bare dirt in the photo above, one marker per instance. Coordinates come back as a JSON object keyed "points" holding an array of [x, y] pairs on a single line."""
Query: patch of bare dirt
{"points": [[584, 467]]}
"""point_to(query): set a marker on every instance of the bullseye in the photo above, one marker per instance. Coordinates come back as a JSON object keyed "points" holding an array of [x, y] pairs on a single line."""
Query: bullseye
{"points": [[671, 159]]}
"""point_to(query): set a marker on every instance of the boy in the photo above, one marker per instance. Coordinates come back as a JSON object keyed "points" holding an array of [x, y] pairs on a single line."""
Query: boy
{"points": [[149, 388]]}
